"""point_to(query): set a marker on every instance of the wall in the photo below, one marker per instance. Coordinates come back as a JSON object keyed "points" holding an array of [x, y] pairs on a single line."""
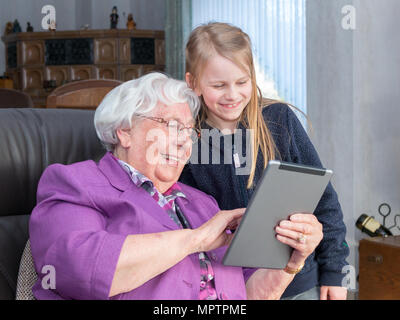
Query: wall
{"points": [[72, 14], [352, 80], [148, 14]]}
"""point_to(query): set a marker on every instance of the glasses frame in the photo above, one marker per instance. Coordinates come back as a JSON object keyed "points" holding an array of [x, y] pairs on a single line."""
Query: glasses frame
{"points": [[180, 126]]}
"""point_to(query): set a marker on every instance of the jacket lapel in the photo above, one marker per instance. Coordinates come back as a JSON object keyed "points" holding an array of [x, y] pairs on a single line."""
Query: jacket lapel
{"points": [[149, 205], [120, 180]]}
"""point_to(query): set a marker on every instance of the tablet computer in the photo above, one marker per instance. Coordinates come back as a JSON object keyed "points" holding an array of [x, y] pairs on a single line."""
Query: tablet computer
{"points": [[284, 189]]}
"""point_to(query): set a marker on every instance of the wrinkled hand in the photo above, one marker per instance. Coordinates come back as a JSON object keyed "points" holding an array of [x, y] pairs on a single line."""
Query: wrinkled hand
{"points": [[333, 293], [215, 232], [303, 232]]}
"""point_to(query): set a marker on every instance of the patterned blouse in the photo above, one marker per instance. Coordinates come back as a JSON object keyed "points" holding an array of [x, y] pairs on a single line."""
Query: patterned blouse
{"points": [[167, 202]]}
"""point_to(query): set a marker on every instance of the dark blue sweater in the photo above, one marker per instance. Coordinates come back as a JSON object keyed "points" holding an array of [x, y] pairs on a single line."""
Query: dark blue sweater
{"points": [[229, 187]]}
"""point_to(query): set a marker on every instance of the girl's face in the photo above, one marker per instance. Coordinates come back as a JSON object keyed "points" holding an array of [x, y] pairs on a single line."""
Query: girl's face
{"points": [[226, 90]]}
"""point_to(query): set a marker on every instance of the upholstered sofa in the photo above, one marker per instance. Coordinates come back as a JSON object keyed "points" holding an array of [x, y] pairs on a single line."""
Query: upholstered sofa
{"points": [[30, 140]]}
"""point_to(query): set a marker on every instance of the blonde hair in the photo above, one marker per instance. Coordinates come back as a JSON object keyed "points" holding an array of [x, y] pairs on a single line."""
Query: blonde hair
{"points": [[232, 43]]}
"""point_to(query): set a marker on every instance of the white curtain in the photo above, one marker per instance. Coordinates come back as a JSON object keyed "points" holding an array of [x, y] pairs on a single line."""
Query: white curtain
{"points": [[277, 30]]}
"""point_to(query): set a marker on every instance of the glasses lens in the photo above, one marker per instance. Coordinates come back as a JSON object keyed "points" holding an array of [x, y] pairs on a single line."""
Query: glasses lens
{"points": [[173, 124]]}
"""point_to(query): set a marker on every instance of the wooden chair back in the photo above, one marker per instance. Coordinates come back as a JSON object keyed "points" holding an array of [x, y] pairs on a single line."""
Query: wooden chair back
{"points": [[10, 98]]}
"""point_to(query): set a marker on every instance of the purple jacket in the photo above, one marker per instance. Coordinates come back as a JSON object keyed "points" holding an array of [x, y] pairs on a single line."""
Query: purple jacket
{"points": [[84, 213]]}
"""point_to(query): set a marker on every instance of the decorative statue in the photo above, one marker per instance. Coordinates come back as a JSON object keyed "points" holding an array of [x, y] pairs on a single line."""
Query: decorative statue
{"points": [[29, 28], [9, 28], [16, 27], [53, 25], [114, 18], [131, 24]]}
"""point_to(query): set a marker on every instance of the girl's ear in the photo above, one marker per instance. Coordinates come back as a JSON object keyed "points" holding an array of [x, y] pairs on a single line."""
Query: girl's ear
{"points": [[190, 82], [124, 137]]}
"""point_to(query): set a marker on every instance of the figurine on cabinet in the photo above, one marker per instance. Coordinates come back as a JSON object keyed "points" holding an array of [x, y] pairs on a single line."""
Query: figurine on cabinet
{"points": [[131, 24], [114, 18], [16, 26], [9, 28], [52, 26], [29, 27]]}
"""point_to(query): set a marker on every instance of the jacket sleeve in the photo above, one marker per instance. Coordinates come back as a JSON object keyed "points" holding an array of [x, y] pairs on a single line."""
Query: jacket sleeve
{"points": [[333, 249], [68, 232]]}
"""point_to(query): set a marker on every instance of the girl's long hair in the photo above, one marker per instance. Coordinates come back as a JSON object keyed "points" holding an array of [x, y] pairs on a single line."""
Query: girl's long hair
{"points": [[232, 43]]}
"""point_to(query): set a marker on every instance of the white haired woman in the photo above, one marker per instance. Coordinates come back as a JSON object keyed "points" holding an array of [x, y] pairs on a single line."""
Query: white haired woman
{"points": [[124, 228]]}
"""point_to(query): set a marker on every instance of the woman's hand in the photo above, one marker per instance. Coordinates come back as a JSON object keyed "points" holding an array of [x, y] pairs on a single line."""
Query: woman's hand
{"points": [[215, 232], [303, 232]]}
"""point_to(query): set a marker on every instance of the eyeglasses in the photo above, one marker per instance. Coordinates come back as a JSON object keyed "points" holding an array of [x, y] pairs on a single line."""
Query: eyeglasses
{"points": [[176, 125]]}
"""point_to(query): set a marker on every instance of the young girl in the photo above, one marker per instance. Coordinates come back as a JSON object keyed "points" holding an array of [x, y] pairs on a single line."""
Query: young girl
{"points": [[220, 69]]}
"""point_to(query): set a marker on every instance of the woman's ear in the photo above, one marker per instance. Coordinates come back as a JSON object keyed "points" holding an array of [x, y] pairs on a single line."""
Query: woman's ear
{"points": [[124, 137]]}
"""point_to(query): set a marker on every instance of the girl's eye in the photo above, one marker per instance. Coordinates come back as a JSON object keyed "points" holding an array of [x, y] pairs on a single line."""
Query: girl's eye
{"points": [[242, 82], [217, 86]]}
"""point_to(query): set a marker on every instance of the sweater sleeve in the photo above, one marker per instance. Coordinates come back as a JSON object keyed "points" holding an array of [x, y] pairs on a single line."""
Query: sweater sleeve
{"points": [[333, 249], [68, 233]]}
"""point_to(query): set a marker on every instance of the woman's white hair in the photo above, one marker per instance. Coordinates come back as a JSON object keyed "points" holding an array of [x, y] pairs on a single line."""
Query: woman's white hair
{"points": [[139, 97]]}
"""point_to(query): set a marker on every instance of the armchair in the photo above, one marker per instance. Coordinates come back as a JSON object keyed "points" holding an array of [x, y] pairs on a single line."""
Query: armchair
{"points": [[30, 140]]}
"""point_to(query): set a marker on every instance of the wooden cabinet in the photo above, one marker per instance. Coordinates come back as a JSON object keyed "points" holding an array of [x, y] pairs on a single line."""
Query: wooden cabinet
{"points": [[379, 268], [35, 59]]}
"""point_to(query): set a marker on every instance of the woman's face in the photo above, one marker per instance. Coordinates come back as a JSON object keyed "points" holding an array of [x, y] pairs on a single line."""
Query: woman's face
{"points": [[154, 150], [226, 90]]}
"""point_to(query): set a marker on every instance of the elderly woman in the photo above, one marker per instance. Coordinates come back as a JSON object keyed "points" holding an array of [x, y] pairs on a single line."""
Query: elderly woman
{"points": [[124, 228]]}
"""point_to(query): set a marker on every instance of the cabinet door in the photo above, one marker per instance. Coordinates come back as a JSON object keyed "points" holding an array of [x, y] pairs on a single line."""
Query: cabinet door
{"points": [[60, 74], [32, 78], [129, 72], [106, 72], [105, 51], [81, 72], [32, 53]]}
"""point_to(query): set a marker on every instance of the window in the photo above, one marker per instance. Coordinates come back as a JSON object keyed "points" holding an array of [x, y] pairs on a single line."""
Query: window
{"points": [[277, 31]]}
